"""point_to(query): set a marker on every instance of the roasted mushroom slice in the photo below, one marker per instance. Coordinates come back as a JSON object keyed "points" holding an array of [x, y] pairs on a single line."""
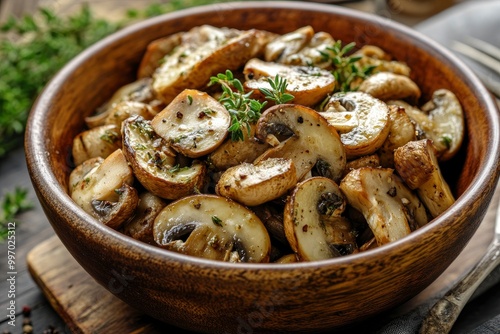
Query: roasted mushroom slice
{"points": [[105, 191], [402, 130], [100, 141], [446, 114], [309, 85], [287, 45], [254, 184], [212, 227], [204, 52], [139, 91], [441, 119], [234, 152], [390, 86], [417, 164], [140, 227], [155, 52], [391, 209], [374, 56], [194, 123], [301, 134], [124, 109], [313, 223], [361, 120], [155, 164]]}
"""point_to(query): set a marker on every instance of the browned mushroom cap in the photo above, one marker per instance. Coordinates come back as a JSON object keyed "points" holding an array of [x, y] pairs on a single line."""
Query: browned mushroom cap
{"points": [[212, 227], [204, 52], [155, 164], [124, 109], [287, 45], [138, 91], [155, 52], [447, 116], [105, 190], [402, 130], [254, 184], [100, 141], [311, 140], [441, 119], [313, 223], [390, 86], [391, 209], [361, 119], [417, 164], [372, 55], [194, 123], [140, 227], [231, 153], [309, 85]]}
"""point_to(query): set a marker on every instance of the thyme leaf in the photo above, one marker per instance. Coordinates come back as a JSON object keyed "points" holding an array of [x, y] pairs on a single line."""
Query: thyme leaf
{"points": [[243, 110]]}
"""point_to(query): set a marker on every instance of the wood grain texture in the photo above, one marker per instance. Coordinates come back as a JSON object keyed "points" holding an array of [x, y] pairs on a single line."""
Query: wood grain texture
{"points": [[88, 307], [209, 296]]}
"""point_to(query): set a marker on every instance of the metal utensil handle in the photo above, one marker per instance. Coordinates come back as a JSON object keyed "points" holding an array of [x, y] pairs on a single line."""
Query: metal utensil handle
{"points": [[445, 312]]}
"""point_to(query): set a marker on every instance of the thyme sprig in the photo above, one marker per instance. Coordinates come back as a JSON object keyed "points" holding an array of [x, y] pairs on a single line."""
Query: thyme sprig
{"points": [[277, 93], [13, 203], [345, 68], [243, 110]]}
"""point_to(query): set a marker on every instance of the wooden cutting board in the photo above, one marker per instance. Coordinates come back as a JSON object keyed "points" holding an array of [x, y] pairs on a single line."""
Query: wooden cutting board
{"points": [[87, 307]]}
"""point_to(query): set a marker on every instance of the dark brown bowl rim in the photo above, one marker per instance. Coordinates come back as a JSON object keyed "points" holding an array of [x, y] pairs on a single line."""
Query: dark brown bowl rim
{"points": [[47, 185]]}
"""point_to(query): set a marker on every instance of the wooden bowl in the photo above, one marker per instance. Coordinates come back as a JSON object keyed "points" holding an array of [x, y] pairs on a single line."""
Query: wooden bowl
{"points": [[218, 297]]}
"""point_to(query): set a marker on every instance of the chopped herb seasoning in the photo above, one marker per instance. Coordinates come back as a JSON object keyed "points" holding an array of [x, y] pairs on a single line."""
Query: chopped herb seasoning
{"points": [[217, 221]]}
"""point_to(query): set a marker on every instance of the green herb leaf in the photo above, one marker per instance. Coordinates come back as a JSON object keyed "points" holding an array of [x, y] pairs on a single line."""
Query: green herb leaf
{"points": [[243, 110], [12, 204]]}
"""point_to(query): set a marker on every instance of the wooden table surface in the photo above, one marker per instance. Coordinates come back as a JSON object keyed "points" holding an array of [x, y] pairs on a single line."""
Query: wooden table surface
{"points": [[32, 227]]}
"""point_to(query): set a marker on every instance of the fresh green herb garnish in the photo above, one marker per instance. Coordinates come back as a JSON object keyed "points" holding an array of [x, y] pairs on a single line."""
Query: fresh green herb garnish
{"points": [[177, 168], [12, 204], [110, 136], [345, 69], [33, 49], [244, 111], [277, 93], [446, 141], [217, 221]]}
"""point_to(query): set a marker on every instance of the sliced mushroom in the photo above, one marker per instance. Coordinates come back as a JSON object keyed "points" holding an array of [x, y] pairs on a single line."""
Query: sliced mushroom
{"points": [[155, 164], [105, 191], [204, 52], [391, 209], [140, 227], [194, 123], [254, 184], [390, 86], [271, 216], [446, 113], [309, 85], [155, 52], [374, 56], [361, 119], [231, 153], [417, 164], [212, 227], [289, 258], [100, 141], [372, 160], [311, 142], [123, 110], [139, 91], [281, 48], [313, 223], [402, 130]]}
